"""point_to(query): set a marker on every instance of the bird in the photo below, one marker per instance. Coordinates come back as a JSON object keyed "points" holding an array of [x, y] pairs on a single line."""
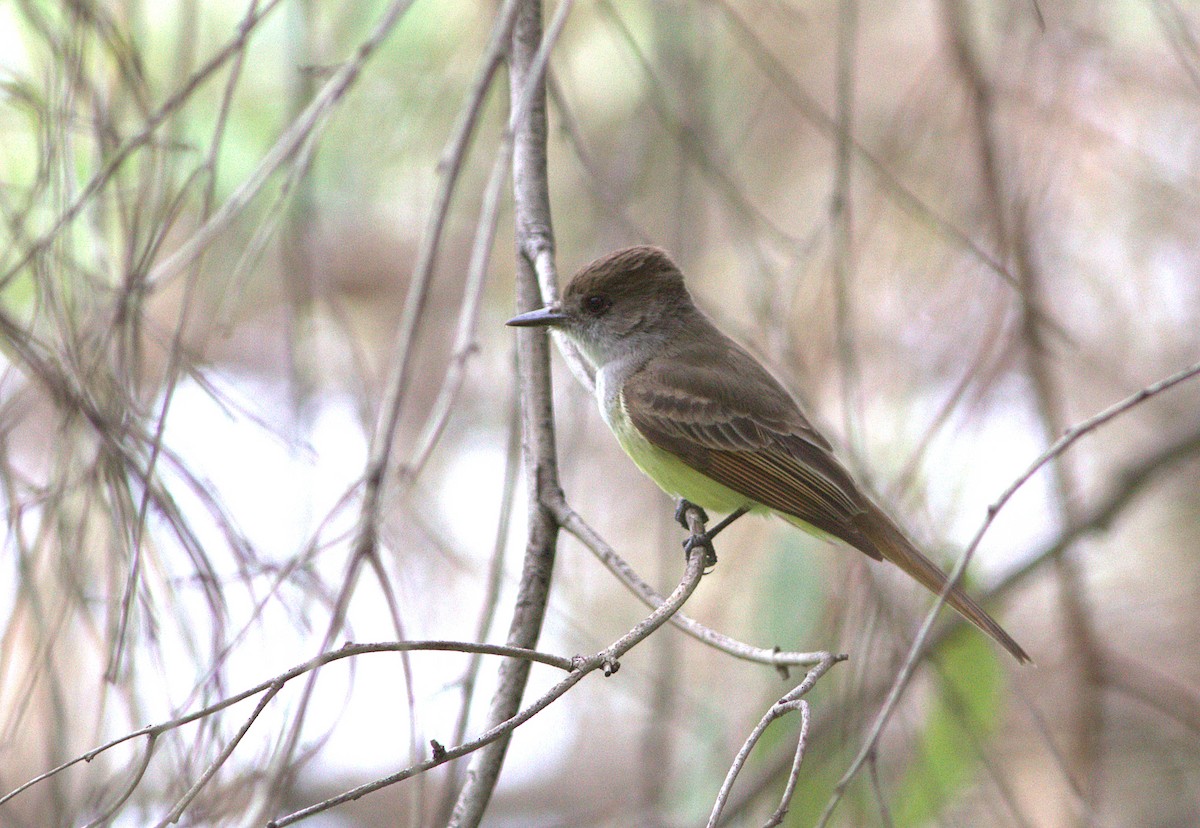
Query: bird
{"points": [[707, 422]]}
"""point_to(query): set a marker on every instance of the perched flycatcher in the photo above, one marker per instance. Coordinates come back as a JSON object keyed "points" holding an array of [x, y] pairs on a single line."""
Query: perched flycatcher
{"points": [[709, 424]]}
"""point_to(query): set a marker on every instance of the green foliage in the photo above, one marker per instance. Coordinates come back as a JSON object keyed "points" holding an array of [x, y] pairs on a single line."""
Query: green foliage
{"points": [[965, 711], [791, 595]]}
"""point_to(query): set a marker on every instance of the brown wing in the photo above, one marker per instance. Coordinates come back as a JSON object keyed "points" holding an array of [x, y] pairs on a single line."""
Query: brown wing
{"points": [[725, 416]]}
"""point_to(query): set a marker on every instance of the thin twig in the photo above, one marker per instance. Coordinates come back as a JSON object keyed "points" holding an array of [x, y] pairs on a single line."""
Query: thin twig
{"points": [[303, 129], [571, 521], [131, 785], [364, 544], [526, 135], [491, 597], [231, 50], [450, 168], [696, 148], [347, 651], [171, 373], [885, 814], [215, 765], [1134, 479], [793, 779], [1131, 482], [808, 106], [790, 702], [481, 251], [1012, 236]]}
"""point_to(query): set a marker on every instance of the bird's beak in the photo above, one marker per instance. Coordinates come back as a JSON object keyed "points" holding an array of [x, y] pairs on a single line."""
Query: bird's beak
{"points": [[538, 318]]}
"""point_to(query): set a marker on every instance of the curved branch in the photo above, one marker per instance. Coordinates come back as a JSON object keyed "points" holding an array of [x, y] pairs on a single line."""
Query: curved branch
{"points": [[792, 701], [1069, 437]]}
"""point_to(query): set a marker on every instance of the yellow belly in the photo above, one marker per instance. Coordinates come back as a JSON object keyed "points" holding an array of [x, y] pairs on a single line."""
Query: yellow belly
{"points": [[672, 475]]}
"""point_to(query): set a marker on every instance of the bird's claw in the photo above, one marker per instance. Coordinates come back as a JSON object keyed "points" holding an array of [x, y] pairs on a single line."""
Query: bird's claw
{"points": [[704, 542], [681, 509]]}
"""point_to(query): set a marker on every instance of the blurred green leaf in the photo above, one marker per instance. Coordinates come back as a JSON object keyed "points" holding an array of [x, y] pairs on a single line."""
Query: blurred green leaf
{"points": [[965, 711], [791, 599]]}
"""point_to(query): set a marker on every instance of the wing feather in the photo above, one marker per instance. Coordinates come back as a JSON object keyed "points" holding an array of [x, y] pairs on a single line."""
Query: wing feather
{"points": [[760, 445]]}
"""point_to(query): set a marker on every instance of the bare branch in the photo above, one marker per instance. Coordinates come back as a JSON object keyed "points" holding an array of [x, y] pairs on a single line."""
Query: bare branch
{"points": [[607, 660], [570, 520], [535, 246], [302, 130], [790, 702], [230, 52], [272, 686], [1011, 234]]}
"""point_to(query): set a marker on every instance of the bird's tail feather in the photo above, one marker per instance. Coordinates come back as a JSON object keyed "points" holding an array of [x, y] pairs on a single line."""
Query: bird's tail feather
{"points": [[895, 547]]}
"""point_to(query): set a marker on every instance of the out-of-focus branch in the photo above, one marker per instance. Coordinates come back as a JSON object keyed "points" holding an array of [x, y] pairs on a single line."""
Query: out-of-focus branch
{"points": [[301, 131], [698, 148], [1143, 682], [230, 52], [1011, 234], [1133, 481], [491, 600], [1179, 34], [569, 128], [365, 540], [450, 166], [272, 686], [809, 107], [841, 220]]}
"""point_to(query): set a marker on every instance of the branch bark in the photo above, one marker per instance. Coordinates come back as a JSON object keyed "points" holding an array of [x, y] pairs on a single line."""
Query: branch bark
{"points": [[534, 241]]}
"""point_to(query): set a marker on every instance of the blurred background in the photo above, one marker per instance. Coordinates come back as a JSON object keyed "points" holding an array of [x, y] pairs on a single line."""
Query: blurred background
{"points": [[954, 228]]}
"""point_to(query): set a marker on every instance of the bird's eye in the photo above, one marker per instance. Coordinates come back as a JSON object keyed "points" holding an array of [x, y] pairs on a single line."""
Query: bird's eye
{"points": [[596, 303]]}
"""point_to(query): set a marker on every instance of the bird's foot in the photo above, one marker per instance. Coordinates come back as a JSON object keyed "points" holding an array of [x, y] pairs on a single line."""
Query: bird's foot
{"points": [[681, 509], [702, 541]]}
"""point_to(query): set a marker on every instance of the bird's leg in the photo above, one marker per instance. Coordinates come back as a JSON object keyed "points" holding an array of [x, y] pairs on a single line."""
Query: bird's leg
{"points": [[730, 518], [704, 541]]}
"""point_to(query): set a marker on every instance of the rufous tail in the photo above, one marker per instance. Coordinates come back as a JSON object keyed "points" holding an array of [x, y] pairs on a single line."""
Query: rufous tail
{"points": [[893, 546]]}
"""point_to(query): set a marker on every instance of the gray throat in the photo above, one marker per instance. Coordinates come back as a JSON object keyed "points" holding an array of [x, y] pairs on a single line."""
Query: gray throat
{"points": [[610, 379]]}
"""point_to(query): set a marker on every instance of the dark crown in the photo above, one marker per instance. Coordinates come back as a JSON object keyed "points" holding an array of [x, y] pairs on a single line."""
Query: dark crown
{"points": [[633, 272]]}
